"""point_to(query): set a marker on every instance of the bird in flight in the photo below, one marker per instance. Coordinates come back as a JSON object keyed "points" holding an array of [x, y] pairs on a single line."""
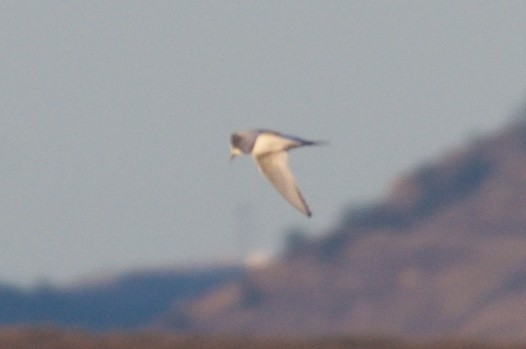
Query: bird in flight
{"points": [[269, 149]]}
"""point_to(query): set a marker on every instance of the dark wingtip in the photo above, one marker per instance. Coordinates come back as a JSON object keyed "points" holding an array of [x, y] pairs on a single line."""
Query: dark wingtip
{"points": [[316, 143]]}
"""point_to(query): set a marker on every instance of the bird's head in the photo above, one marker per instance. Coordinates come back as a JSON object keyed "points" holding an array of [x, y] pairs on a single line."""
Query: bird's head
{"points": [[236, 145]]}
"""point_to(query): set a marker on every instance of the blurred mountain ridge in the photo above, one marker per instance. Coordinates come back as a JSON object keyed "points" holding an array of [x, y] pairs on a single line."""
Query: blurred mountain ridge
{"points": [[126, 301]]}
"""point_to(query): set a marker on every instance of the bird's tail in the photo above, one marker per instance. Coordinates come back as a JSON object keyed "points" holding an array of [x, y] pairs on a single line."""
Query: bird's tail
{"points": [[303, 142]]}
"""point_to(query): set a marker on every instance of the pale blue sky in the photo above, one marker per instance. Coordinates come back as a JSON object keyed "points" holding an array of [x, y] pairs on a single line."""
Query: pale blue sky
{"points": [[116, 117]]}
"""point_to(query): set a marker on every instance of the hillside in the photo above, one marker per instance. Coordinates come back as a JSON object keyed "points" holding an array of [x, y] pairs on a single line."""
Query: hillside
{"points": [[444, 254], [124, 301]]}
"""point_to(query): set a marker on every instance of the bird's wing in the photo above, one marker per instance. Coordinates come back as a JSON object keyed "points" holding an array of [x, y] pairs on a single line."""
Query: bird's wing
{"points": [[274, 166], [269, 141]]}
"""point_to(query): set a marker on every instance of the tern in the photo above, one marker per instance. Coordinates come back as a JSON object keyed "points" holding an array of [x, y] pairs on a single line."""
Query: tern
{"points": [[269, 149]]}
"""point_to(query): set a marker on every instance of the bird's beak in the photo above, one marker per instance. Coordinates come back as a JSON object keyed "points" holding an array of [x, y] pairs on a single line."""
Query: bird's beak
{"points": [[234, 152]]}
